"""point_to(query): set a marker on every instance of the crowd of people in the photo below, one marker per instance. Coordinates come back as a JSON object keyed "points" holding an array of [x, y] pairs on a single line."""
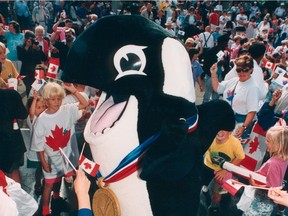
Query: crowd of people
{"points": [[238, 52]]}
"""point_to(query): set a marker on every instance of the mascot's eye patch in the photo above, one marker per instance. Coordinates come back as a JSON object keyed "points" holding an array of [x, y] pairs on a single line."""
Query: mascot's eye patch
{"points": [[133, 62]]}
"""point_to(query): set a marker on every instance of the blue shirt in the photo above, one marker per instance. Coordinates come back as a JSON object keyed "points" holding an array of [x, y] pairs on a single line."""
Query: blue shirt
{"points": [[84, 212], [13, 40], [197, 70]]}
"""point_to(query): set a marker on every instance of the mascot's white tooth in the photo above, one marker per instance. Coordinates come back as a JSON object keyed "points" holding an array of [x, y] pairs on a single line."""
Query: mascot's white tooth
{"points": [[105, 130], [144, 71]]}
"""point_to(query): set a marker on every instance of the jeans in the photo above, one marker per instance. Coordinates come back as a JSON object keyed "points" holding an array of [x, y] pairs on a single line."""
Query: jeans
{"points": [[209, 92]]}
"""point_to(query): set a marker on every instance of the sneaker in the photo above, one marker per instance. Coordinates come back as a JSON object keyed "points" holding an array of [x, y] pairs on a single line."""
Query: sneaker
{"points": [[59, 205]]}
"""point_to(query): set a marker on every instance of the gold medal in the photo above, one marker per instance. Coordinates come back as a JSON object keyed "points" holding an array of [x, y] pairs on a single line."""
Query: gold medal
{"points": [[105, 202]]}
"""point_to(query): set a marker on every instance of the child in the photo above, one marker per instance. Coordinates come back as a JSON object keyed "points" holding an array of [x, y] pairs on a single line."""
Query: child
{"points": [[54, 129], [225, 147], [274, 170], [196, 67], [36, 106]]}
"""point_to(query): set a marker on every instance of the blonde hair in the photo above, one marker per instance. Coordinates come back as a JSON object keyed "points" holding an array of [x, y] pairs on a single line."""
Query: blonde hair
{"points": [[2, 46], [39, 27], [279, 136], [52, 89]]}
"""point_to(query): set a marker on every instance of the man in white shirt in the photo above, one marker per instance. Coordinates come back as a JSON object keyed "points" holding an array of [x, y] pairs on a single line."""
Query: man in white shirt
{"points": [[206, 38], [241, 20]]}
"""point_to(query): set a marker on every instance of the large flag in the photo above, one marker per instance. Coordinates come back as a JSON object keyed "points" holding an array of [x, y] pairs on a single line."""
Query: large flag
{"points": [[254, 148], [88, 166]]}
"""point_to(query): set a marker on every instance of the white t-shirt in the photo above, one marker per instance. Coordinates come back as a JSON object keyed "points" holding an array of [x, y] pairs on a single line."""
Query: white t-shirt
{"points": [[242, 96], [241, 17]]}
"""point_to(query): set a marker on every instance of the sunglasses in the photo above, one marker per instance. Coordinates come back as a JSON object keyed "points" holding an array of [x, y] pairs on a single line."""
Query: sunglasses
{"points": [[239, 69]]}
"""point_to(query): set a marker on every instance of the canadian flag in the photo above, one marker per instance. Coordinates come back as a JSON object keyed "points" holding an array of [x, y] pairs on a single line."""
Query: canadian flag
{"points": [[270, 65], [88, 166], [254, 148], [39, 74], [53, 68]]}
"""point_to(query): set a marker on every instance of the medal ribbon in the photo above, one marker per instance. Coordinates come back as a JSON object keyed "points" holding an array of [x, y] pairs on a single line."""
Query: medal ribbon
{"points": [[126, 167]]}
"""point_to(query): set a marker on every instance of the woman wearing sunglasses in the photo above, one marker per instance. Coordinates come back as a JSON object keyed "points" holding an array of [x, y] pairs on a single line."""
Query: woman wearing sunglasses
{"points": [[240, 92]]}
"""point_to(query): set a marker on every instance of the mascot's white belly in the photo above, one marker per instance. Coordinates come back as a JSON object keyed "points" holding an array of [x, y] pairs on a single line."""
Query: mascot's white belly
{"points": [[110, 147]]}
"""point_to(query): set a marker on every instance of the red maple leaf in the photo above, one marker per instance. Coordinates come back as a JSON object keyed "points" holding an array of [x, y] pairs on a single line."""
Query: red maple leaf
{"points": [[87, 165], [58, 138], [254, 145], [53, 68]]}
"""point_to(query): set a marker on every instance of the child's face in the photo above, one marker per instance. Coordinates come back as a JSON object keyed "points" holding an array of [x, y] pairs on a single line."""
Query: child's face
{"points": [[222, 136], [271, 147], [53, 104], [2, 55], [40, 107]]}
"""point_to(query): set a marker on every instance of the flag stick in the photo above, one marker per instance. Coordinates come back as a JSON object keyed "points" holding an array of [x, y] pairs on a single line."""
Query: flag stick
{"points": [[82, 150], [67, 159]]}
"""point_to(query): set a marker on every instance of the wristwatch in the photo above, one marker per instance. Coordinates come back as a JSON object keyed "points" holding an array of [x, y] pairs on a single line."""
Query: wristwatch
{"points": [[244, 126]]}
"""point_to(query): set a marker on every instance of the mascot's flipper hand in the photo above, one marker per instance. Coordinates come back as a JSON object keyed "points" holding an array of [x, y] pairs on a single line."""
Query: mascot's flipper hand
{"points": [[162, 160], [175, 130]]}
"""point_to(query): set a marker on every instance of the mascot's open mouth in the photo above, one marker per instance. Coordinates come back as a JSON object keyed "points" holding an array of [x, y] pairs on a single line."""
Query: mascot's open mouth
{"points": [[108, 111]]}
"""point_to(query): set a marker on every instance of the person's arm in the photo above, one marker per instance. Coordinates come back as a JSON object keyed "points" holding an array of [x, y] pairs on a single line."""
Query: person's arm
{"points": [[83, 103], [45, 165], [54, 35], [220, 175], [249, 118], [214, 77], [275, 97], [55, 26], [2, 31], [198, 79], [33, 106], [81, 186]]}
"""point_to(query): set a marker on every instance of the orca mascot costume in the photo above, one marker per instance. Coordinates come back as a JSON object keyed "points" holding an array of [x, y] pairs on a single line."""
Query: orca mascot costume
{"points": [[146, 78]]}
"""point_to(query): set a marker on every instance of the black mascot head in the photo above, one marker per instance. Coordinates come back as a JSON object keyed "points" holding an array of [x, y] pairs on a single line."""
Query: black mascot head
{"points": [[148, 100]]}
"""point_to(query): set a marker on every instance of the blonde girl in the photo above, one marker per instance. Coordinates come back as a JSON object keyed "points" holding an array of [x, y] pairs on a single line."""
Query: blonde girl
{"points": [[274, 170]]}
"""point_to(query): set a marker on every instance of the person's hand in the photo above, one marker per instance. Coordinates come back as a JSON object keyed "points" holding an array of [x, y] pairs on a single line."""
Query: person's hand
{"points": [[70, 87], [239, 132], [277, 94], [213, 70], [220, 175], [35, 94], [278, 196], [81, 184], [46, 167]]}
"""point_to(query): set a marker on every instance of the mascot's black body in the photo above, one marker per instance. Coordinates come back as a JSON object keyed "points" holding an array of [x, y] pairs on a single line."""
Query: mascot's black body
{"points": [[142, 67]]}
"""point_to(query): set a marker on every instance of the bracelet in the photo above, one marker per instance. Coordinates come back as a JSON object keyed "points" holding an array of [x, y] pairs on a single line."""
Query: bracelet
{"points": [[244, 126]]}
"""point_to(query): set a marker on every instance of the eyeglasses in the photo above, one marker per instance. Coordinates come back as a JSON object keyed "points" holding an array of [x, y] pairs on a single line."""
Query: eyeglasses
{"points": [[239, 69]]}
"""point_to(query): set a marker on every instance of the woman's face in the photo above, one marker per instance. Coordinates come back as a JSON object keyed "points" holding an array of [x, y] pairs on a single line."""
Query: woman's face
{"points": [[2, 55], [244, 73]]}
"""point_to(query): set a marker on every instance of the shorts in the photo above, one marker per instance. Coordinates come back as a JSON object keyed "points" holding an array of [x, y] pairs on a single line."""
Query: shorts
{"points": [[33, 164]]}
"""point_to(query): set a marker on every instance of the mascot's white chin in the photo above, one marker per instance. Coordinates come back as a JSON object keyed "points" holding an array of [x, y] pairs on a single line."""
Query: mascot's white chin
{"points": [[146, 133]]}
